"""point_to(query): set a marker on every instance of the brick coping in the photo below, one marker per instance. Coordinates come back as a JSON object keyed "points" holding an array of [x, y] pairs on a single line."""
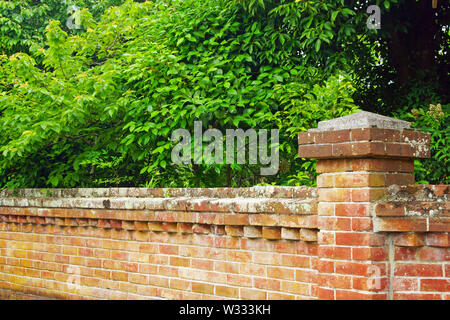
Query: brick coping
{"points": [[300, 192]]}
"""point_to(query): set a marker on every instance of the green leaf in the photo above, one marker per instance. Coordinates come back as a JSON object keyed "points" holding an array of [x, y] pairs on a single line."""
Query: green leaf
{"points": [[317, 45]]}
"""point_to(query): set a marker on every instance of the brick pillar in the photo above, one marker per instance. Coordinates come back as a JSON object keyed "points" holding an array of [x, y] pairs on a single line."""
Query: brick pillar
{"points": [[359, 156]]}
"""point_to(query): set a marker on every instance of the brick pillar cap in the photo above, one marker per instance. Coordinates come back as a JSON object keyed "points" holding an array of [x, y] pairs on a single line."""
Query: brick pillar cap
{"points": [[362, 119], [364, 135]]}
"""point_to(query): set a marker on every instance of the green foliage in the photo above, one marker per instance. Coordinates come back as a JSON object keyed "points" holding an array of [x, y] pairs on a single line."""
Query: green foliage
{"points": [[97, 106], [103, 109], [23, 22], [318, 102]]}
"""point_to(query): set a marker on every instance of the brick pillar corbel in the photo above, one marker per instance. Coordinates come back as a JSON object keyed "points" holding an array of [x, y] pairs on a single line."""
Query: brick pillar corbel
{"points": [[358, 157]]}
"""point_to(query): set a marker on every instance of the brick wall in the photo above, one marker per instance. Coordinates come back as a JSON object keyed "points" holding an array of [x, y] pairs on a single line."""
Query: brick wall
{"points": [[417, 222], [365, 232], [379, 236], [256, 243]]}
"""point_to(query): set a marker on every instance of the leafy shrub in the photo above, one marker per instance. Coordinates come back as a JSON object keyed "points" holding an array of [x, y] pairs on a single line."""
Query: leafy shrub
{"points": [[435, 120], [103, 110]]}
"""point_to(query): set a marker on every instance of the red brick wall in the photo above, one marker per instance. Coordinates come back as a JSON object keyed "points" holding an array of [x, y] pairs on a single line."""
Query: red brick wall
{"points": [[417, 222], [257, 243], [379, 236]]}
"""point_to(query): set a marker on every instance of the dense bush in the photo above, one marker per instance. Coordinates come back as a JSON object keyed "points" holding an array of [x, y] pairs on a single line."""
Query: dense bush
{"points": [[103, 110], [435, 120]]}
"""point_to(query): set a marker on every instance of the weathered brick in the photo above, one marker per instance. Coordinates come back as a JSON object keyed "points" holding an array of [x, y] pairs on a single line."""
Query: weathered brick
{"points": [[267, 284], [271, 233], [401, 224], [281, 273], [290, 233], [252, 294], [338, 165], [352, 210], [372, 254], [295, 287], [353, 295], [184, 228], [334, 195], [331, 136], [234, 231], [326, 209], [439, 224], [333, 223], [202, 287], [438, 239], [434, 254], [390, 209], [359, 180], [410, 239], [436, 285], [180, 262], [264, 219], [399, 179], [333, 252], [219, 230], [325, 181], [308, 235], [367, 194], [416, 296], [236, 219], [201, 228], [267, 258], [140, 226], [362, 224], [305, 138], [168, 249], [418, 270], [155, 226], [227, 291], [241, 256], [334, 281], [326, 237], [315, 151], [169, 227], [360, 239], [252, 232], [406, 284], [358, 268]]}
